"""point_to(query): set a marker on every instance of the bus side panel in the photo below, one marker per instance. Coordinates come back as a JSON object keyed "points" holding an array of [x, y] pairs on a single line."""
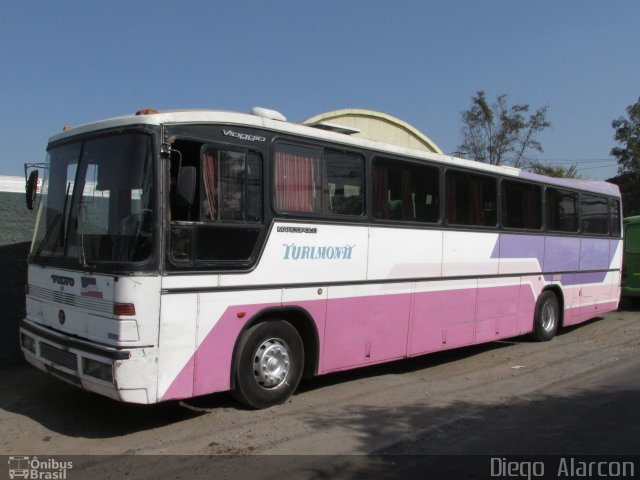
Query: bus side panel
{"points": [[313, 301], [177, 343], [443, 315], [497, 309], [594, 254], [308, 253], [366, 324], [219, 326], [198, 351], [616, 248], [596, 287], [469, 254], [520, 253], [404, 253], [561, 254], [531, 286]]}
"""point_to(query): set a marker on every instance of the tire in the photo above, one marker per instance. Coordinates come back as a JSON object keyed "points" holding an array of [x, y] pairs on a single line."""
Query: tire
{"points": [[269, 364], [547, 317]]}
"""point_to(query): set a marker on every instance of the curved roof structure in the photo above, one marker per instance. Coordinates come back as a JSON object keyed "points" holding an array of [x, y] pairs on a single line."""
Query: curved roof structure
{"points": [[374, 126]]}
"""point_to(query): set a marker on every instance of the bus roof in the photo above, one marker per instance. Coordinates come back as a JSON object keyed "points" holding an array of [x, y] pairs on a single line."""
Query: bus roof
{"points": [[250, 120]]}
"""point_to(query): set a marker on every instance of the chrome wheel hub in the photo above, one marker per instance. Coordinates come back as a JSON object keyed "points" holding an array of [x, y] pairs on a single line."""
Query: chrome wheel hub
{"points": [[548, 317], [271, 363]]}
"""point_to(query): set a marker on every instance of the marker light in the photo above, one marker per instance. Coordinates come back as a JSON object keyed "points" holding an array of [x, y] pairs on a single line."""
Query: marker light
{"points": [[121, 309], [100, 370], [28, 342], [146, 111]]}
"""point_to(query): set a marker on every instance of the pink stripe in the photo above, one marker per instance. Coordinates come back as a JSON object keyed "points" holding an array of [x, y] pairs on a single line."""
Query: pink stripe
{"points": [[360, 331], [207, 371]]}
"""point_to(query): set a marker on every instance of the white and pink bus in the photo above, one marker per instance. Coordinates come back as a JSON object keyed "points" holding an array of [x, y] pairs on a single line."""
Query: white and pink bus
{"points": [[183, 253]]}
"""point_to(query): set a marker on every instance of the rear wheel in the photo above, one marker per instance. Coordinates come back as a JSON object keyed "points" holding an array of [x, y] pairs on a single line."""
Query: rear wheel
{"points": [[547, 316], [269, 364]]}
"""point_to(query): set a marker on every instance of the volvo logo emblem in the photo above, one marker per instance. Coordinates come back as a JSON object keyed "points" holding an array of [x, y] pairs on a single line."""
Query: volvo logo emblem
{"points": [[64, 281], [61, 317]]}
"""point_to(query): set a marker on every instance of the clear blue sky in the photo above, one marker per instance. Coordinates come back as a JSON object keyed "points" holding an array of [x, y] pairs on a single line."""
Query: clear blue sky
{"points": [[71, 62]]}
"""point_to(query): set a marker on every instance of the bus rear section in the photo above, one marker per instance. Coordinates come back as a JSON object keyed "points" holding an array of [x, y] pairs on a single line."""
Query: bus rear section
{"points": [[631, 258]]}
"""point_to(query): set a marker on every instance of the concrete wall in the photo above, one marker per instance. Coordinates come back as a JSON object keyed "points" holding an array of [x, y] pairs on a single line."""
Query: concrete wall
{"points": [[16, 228]]}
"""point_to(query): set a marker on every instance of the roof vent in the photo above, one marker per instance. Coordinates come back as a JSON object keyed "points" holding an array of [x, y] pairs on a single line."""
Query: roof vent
{"points": [[334, 127], [267, 113]]}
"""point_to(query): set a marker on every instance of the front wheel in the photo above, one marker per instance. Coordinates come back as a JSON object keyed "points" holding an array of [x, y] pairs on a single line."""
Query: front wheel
{"points": [[269, 364], [547, 317]]}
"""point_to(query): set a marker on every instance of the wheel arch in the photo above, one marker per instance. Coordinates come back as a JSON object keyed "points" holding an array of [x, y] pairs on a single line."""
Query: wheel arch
{"points": [[301, 320]]}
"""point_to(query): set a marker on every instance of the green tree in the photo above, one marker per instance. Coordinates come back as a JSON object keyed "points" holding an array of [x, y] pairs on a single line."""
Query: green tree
{"points": [[628, 136], [628, 154], [499, 133], [554, 171]]}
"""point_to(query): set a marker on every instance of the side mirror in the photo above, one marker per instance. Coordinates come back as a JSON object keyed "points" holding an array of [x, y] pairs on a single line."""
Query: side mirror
{"points": [[31, 189]]}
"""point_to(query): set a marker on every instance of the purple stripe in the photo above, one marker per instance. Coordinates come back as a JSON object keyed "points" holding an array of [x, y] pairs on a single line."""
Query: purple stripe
{"points": [[561, 254], [569, 279], [557, 254], [519, 246]]}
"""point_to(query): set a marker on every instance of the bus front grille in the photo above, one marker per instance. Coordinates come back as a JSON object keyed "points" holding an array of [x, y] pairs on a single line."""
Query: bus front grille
{"points": [[59, 357], [89, 303]]}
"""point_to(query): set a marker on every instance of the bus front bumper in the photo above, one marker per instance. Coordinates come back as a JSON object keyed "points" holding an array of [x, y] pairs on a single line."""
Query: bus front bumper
{"points": [[120, 374]]}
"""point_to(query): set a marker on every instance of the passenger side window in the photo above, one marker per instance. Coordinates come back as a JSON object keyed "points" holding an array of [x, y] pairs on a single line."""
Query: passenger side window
{"points": [[344, 184], [562, 210], [594, 214], [470, 199], [521, 205], [313, 180], [405, 191]]}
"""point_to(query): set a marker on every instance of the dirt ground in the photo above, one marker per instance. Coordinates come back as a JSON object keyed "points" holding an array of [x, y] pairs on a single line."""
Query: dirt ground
{"points": [[578, 394]]}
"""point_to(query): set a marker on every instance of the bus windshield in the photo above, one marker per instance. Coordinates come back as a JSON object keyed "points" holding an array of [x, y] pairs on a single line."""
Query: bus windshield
{"points": [[97, 202]]}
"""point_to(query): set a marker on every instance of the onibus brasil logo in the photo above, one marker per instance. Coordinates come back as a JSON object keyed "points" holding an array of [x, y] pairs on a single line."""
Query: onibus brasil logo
{"points": [[34, 468]]}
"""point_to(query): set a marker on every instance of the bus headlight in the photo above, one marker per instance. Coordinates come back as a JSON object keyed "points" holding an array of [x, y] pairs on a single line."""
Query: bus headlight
{"points": [[100, 370]]}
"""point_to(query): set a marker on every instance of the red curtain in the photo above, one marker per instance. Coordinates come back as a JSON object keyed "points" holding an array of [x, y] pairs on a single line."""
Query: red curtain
{"points": [[209, 168], [297, 182]]}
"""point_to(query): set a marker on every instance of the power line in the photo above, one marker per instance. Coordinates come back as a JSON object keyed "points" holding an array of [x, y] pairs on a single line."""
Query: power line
{"points": [[592, 168], [564, 161]]}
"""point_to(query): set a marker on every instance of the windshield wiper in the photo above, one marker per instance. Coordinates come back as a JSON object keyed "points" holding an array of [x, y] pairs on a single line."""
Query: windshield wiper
{"points": [[82, 258], [55, 221], [45, 240]]}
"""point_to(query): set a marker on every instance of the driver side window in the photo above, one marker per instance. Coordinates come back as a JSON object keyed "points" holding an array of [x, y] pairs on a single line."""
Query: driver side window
{"points": [[216, 212]]}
